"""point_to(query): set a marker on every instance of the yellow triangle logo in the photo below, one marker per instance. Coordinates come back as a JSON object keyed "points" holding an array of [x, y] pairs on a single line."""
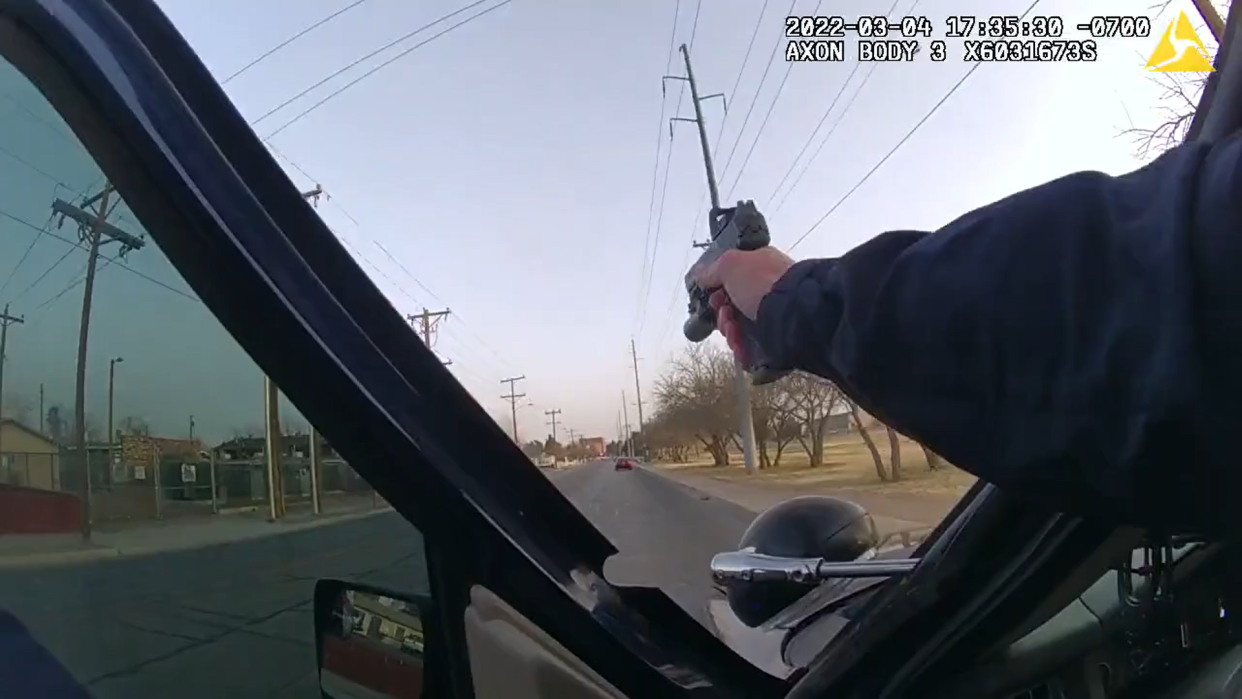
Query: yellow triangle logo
{"points": [[1180, 50]]}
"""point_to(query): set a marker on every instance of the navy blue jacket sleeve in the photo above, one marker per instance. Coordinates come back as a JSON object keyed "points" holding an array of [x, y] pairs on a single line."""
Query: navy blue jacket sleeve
{"points": [[1079, 342]]}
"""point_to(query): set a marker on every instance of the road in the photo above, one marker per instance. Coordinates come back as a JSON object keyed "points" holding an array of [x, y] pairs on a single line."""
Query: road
{"points": [[234, 620]]}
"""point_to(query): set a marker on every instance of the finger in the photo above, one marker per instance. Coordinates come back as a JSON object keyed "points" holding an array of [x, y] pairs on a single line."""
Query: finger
{"points": [[734, 339], [724, 317], [719, 299]]}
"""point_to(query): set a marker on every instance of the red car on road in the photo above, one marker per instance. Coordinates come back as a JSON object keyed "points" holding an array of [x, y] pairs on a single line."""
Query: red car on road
{"points": [[624, 465]]}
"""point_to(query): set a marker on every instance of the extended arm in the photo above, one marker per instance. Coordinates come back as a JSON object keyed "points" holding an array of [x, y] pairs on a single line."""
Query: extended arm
{"points": [[1080, 342]]}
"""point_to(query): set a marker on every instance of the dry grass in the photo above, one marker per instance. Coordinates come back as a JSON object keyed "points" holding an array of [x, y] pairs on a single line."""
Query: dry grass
{"points": [[847, 464]]}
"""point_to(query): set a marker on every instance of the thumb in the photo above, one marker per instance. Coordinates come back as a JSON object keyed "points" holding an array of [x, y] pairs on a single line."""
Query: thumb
{"points": [[712, 276]]}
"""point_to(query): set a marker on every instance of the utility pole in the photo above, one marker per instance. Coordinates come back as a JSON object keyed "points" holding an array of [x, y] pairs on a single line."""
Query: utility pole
{"points": [[5, 321], [1211, 17], [513, 398], [638, 391], [41, 413], [94, 231], [426, 322], [111, 405], [572, 434], [553, 412], [629, 434], [740, 382]]}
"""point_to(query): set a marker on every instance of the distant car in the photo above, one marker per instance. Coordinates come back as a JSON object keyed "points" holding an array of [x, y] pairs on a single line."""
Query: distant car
{"points": [[624, 465]]}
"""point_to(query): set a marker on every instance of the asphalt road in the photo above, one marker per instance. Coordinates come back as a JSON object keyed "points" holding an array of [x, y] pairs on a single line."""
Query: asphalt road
{"points": [[235, 620]]}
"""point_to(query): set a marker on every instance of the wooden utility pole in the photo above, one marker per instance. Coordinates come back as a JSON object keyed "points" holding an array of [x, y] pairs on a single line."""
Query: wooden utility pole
{"points": [[94, 232], [426, 323], [273, 448], [553, 413], [741, 383], [513, 398], [1211, 18], [5, 321]]}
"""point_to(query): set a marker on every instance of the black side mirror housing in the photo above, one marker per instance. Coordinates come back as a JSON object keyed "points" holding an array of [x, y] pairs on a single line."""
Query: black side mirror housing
{"points": [[369, 641]]}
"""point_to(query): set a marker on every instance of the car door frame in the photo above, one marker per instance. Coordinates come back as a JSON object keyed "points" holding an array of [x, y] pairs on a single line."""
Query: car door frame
{"points": [[213, 198]]}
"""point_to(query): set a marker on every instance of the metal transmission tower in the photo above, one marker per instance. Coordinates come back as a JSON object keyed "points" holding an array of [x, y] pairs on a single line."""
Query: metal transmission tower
{"points": [[5, 321], [513, 399], [94, 232], [426, 323], [553, 413], [740, 383]]}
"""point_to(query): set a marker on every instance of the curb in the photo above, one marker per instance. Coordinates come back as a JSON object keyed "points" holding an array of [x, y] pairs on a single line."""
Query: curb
{"points": [[51, 559]]}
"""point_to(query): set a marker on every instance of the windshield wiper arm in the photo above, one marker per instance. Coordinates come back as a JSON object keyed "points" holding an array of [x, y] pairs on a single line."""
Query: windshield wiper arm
{"points": [[748, 566]]}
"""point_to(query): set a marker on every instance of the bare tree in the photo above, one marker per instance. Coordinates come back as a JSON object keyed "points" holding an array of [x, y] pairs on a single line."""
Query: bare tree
{"points": [[17, 408], [667, 437], [695, 392], [57, 422], [813, 401], [134, 425], [1178, 102], [894, 453], [776, 420], [880, 469]]}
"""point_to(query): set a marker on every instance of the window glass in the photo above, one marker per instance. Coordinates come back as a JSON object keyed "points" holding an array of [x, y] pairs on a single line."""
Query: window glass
{"points": [[143, 544]]}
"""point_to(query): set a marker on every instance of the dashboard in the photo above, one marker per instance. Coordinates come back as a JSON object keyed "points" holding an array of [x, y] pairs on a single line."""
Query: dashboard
{"points": [[1168, 628]]}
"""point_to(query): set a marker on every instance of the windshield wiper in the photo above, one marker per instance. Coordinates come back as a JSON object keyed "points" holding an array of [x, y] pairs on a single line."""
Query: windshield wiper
{"points": [[748, 566]]}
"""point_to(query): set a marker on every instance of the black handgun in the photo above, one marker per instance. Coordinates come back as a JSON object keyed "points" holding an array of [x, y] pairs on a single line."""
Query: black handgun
{"points": [[739, 228]]}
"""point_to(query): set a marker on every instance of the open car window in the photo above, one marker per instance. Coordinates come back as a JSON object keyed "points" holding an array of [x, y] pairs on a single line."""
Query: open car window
{"points": [[173, 556]]}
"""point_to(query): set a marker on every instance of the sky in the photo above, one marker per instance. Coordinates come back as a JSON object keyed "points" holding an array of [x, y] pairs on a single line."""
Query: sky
{"points": [[513, 170]]}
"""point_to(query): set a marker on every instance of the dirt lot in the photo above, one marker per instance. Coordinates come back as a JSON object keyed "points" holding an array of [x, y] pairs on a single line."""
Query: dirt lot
{"points": [[922, 495]]}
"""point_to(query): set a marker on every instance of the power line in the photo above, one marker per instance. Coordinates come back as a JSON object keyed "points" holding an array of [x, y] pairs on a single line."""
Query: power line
{"points": [[815, 132], [741, 71], [831, 130], [292, 39], [362, 59], [668, 164], [900, 143], [828, 137], [755, 99], [655, 174], [25, 255], [335, 93], [80, 246]]}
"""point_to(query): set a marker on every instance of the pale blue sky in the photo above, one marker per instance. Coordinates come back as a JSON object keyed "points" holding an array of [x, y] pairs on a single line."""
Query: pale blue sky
{"points": [[508, 165]]}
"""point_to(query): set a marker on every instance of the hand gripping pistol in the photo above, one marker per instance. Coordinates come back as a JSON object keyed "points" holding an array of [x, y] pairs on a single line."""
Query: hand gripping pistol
{"points": [[742, 228]]}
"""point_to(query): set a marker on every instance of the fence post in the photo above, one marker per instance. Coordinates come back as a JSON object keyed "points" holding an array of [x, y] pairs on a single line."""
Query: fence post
{"points": [[211, 466], [155, 478]]}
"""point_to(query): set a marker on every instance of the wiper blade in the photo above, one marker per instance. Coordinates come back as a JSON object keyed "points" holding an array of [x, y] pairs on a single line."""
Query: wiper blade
{"points": [[748, 566]]}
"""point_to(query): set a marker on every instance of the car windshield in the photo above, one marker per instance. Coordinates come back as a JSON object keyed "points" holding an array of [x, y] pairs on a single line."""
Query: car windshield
{"points": [[165, 509]]}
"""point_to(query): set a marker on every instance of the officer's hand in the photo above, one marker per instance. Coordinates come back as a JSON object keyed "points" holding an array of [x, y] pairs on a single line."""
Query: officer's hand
{"points": [[741, 280]]}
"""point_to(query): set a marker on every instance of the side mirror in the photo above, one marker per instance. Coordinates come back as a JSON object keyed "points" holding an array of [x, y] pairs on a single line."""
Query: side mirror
{"points": [[793, 546], [369, 641]]}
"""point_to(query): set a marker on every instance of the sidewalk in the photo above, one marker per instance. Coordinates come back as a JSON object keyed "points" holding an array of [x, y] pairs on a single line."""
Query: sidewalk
{"points": [[162, 536], [893, 512]]}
